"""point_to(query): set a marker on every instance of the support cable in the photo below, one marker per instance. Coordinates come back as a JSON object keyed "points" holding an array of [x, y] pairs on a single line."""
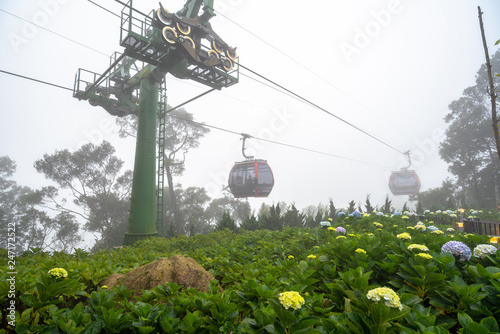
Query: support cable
{"points": [[211, 126], [292, 93], [320, 108], [36, 80], [55, 33]]}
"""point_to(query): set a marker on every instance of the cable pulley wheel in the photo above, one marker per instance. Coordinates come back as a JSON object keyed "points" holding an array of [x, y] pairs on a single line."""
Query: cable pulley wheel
{"points": [[218, 46], [183, 28], [212, 53], [231, 53], [169, 34], [163, 19], [227, 64], [182, 39]]}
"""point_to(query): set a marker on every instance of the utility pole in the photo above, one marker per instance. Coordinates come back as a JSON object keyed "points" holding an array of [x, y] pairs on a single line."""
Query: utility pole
{"points": [[494, 118], [491, 91], [182, 44]]}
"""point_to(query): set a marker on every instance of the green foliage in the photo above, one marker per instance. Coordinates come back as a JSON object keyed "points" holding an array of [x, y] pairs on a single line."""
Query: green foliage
{"points": [[438, 295], [469, 146]]}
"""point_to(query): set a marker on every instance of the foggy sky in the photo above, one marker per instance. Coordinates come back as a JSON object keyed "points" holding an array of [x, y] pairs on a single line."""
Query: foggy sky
{"points": [[388, 67]]}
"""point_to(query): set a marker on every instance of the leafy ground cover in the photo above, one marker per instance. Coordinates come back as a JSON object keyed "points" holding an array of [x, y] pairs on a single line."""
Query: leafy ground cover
{"points": [[372, 274]]}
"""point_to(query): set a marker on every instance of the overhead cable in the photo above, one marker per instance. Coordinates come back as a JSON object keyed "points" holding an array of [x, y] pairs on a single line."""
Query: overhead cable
{"points": [[207, 125], [36, 80], [55, 33]]}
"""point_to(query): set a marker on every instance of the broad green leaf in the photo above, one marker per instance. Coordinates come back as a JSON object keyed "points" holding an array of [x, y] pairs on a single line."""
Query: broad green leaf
{"points": [[464, 319]]}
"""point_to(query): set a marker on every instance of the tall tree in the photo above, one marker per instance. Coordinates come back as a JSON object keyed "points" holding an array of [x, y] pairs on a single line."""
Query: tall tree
{"points": [[368, 205], [22, 217], [100, 192], [469, 147], [437, 198], [387, 206]]}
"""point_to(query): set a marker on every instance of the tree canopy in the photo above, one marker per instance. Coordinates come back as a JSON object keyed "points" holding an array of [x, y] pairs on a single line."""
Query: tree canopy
{"points": [[469, 147]]}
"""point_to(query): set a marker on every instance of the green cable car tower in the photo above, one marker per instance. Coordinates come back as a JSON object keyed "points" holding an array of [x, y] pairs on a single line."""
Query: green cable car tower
{"points": [[182, 44]]}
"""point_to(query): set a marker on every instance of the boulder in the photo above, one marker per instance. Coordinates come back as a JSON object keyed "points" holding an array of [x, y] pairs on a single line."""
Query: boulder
{"points": [[177, 269]]}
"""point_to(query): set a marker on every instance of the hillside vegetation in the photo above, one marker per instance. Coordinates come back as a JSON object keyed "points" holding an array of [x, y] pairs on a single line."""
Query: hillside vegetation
{"points": [[298, 280]]}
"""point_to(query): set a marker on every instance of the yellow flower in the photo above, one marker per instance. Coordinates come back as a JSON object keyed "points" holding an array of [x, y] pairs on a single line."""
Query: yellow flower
{"points": [[341, 237], [404, 217], [360, 250], [331, 228], [419, 247], [351, 235], [291, 257], [330, 219], [370, 234], [291, 299], [437, 232], [311, 256], [410, 228], [104, 286], [390, 298], [376, 224], [58, 273], [404, 236], [494, 240], [424, 255]]}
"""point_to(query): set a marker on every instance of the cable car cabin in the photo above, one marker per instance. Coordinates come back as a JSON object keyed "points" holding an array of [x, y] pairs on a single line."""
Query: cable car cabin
{"points": [[404, 182], [251, 178]]}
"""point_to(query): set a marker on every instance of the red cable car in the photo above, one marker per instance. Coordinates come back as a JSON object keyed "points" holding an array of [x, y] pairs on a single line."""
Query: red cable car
{"points": [[250, 178], [404, 182]]}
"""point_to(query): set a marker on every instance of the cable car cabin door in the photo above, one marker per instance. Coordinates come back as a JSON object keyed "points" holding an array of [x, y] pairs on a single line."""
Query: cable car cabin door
{"points": [[251, 178], [404, 183]]}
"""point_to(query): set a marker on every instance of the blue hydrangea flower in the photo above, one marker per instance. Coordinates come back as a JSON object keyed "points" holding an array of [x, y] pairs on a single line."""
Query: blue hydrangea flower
{"points": [[341, 214], [432, 228], [340, 230], [396, 213], [458, 249], [355, 213]]}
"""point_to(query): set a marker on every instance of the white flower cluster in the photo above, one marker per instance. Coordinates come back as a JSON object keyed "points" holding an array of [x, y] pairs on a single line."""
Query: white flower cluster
{"points": [[390, 298], [481, 251]]}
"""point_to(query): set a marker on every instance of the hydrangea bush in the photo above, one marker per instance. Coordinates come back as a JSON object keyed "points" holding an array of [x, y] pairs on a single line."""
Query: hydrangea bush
{"points": [[388, 278]]}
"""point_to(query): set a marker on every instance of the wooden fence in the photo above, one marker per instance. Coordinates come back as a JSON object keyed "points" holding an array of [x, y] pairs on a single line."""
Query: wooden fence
{"points": [[479, 227]]}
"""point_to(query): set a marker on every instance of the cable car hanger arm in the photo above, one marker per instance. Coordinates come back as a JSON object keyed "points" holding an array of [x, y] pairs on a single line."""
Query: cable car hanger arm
{"points": [[245, 137]]}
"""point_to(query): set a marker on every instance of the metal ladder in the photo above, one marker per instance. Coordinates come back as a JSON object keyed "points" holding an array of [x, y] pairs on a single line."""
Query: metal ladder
{"points": [[162, 115]]}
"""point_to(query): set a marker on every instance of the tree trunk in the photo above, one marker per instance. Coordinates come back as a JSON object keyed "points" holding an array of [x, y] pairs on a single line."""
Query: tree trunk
{"points": [[175, 207]]}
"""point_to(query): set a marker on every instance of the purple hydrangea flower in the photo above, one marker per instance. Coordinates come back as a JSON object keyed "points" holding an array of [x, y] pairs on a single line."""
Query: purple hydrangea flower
{"points": [[458, 249], [340, 230]]}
